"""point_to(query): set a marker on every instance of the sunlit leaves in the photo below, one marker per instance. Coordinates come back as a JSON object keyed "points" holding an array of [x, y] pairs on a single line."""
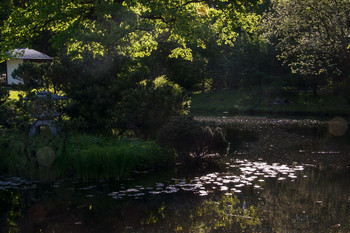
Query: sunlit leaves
{"points": [[185, 53], [133, 28], [140, 44], [58, 18], [312, 36]]}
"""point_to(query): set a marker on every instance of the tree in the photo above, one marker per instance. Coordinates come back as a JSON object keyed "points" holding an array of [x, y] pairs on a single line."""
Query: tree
{"points": [[188, 74], [132, 28], [312, 37], [34, 75], [12, 115], [92, 84], [117, 34]]}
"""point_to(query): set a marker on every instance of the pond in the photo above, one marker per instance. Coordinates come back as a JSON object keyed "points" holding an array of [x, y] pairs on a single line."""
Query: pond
{"points": [[290, 177]]}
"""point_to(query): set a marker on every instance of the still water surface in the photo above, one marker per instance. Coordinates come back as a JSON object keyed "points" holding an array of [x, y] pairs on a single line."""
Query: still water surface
{"points": [[250, 193]]}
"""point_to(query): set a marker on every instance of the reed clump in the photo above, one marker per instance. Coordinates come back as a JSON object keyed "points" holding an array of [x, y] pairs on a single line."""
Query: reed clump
{"points": [[85, 157]]}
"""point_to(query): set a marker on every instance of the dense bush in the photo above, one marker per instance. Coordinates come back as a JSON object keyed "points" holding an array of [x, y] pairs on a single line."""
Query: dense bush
{"points": [[107, 92], [92, 86], [4, 94], [19, 156], [146, 108], [12, 114], [191, 138]]}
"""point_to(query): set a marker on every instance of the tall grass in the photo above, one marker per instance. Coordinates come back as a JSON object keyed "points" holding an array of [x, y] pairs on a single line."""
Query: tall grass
{"points": [[104, 163], [84, 157]]}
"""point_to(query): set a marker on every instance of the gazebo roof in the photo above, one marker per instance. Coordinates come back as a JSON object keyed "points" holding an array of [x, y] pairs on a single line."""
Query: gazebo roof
{"points": [[29, 54]]}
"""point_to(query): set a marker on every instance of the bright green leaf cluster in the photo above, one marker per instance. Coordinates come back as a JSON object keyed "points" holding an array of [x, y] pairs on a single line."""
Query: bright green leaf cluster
{"points": [[132, 28]]}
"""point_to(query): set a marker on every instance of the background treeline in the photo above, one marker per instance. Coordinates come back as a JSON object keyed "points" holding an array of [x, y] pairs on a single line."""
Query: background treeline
{"points": [[110, 55], [200, 45], [128, 67]]}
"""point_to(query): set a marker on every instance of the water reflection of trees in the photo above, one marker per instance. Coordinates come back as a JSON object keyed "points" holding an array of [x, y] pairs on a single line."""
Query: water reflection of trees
{"points": [[285, 140], [317, 203], [11, 210], [219, 214], [225, 214], [317, 200]]}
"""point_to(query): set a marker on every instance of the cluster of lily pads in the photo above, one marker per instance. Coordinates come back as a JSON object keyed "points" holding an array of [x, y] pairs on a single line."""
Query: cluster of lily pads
{"points": [[15, 183], [239, 174]]}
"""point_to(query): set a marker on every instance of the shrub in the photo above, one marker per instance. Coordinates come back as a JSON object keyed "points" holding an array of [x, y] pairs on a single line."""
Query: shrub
{"points": [[92, 86], [19, 156], [12, 115], [191, 138], [145, 109]]}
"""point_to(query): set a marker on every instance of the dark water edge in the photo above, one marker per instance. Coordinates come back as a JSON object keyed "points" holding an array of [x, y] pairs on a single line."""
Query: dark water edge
{"points": [[274, 114], [290, 176]]}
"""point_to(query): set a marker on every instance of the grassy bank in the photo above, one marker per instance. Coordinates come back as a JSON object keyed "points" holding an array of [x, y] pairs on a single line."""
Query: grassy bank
{"points": [[85, 157], [235, 102]]}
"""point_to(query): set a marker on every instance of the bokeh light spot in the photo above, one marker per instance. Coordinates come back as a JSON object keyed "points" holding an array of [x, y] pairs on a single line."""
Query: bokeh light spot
{"points": [[337, 126], [45, 156]]}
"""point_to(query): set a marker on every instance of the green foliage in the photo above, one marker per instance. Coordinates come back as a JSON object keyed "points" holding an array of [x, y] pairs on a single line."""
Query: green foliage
{"points": [[4, 95], [105, 162], [103, 94], [132, 28], [312, 38], [146, 108], [19, 155], [181, 31], [82, 156], [40, 23], [118, 160], [188, 74], [191, 138], [226, 214], [5, 10], [251, 63], [12, 116], [34, 75], [91, 85]]}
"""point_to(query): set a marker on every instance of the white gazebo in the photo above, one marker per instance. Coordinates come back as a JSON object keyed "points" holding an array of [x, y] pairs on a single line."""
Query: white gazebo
{"points": [[18, 56]]}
